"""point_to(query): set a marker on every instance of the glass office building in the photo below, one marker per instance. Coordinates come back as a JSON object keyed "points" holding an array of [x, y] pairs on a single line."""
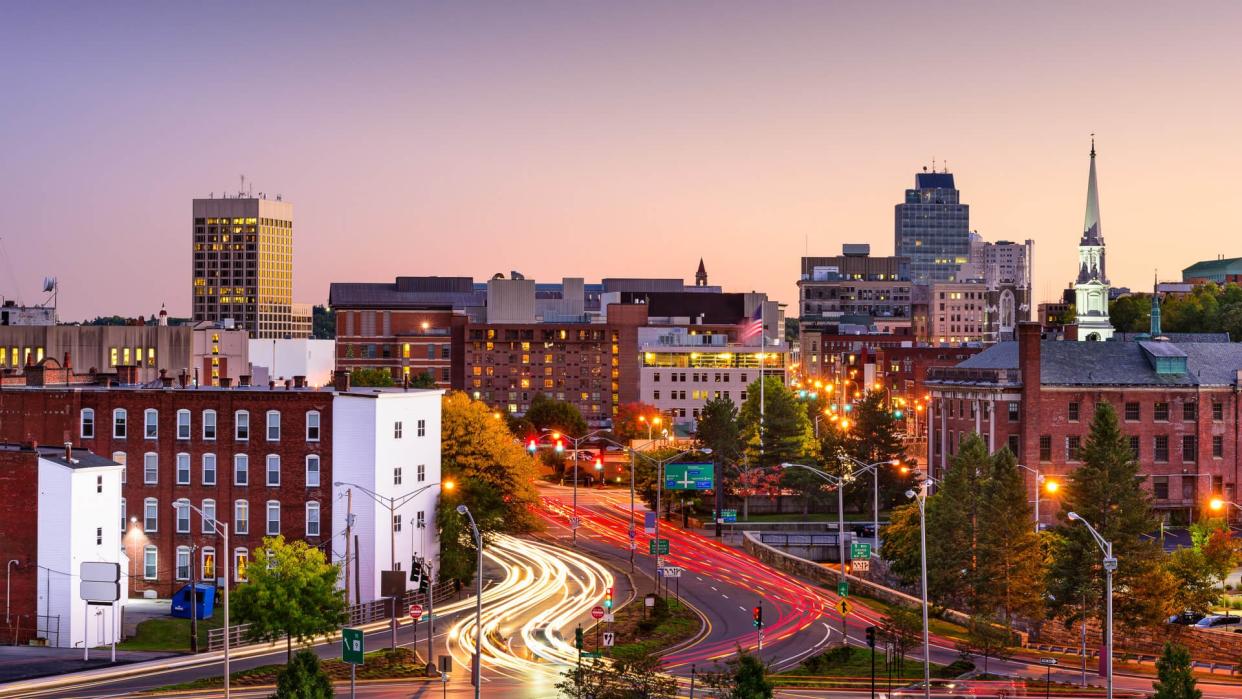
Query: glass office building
{"points": [[932, 229]]}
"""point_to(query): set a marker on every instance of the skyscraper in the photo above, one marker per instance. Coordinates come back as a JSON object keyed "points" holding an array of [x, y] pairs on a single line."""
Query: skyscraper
{"points": [[1091, 286], [243, 266], [933, 229]]}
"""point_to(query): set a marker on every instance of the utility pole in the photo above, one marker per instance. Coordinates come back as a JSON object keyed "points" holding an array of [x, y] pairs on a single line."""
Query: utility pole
{"points": [[349, 522]]}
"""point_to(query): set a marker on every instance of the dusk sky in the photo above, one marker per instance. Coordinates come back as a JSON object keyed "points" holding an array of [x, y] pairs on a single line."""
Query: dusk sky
{"points": [[589, 139]]}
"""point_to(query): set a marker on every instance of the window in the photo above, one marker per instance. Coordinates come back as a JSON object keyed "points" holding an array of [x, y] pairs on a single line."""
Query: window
{"points": [[1190, 411], [118, 423], [1189, 485], [1045, 448], [1072, 443], [1133, 414], [241, 558], [1218, 411], [209, 516], [396, 475], [1013, 411], [99, 536], [396, 523], [422, 473], [396, 430], [1161, 446], [209, 469], [183, 424], [209, 425], [1013, 444], [421, 521], [422, 428], [182, 508], [312, 471], [1072, 410], [312, 426], [1161, 412], [241, 469], [150, 562], [208, 567], [273, 470], [241, 425], [312, 519], [183, 562], [150, 468], [87, 423], [1218, 446], [150, 515], [1190, 448], [98, 484], [241, 517], [273, 425], [1134, 445], [1160, 487], [183, 469], [151, 423], [124, 522], [273, 518]]}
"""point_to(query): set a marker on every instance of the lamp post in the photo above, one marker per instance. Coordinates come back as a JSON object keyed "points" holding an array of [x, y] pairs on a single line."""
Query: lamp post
{"points": [[575, 441], [920, 496], [1042, 484], [222, 529], [1110, 564], [875, 491], [476, 672]]}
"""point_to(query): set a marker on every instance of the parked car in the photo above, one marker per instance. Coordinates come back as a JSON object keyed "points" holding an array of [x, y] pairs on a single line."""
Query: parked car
{"points": [[1219, 621], [1186, 618]]}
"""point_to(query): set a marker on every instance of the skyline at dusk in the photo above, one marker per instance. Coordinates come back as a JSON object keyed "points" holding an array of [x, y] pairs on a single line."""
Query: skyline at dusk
{"points": [[593, 140]]}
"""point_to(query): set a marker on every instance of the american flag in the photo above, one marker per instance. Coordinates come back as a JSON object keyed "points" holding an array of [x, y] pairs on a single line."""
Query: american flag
{"points": [[754, 325]]}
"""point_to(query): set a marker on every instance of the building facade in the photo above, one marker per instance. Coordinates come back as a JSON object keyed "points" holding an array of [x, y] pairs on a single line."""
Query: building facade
{"points": [[1219, 271], [932, 229], [958, 312], [243, 266]]}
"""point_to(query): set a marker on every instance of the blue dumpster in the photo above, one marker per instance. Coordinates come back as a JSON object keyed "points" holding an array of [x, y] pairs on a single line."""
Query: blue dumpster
{"points": [[183, 599]]}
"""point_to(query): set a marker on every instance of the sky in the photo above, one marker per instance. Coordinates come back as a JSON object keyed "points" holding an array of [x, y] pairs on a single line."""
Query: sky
{"points": [[603, 139]]}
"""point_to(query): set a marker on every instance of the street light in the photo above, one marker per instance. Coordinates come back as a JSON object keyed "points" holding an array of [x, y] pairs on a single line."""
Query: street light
{"points": [[557, 437], [920, 496], [476, 672], [875, 491], [1042, 484], [1110, 564], [223, 530]]}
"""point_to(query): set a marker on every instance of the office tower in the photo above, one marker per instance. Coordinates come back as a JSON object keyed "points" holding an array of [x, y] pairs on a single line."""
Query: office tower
{"points": [[932, 229], [243, 266]]}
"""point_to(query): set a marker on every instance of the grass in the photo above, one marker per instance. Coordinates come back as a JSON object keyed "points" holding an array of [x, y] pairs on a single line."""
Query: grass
{"points": [[169, 634], [848, 667], [651, 631], [935, 624], [381, 664]]}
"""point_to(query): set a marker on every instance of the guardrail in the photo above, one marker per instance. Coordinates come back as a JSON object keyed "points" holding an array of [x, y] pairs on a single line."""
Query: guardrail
{"points": [[355, 615]]}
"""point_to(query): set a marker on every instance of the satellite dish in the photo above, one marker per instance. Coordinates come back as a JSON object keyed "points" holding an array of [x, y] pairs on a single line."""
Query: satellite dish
{"points": [[49, 285]]}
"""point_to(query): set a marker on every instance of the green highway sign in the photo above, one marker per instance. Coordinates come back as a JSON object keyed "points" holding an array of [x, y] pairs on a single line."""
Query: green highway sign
{"points": [[860, 550], [688, 477], [352, 648], [591, 654], [843, 588], [663, 547]]}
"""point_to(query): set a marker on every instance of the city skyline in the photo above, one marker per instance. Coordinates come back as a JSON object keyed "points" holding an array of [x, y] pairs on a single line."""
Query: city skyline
{"points": [[554, 138]]}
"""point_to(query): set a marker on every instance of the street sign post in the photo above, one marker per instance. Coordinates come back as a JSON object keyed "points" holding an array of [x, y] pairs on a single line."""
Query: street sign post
{"points": [[608, 639], [844, 606], [688, 477], [416, 611], [858, 550], [670, 571], [353, 651], [860, 565], [597, 613], [843, 588], [660, 547], [649, 522], [1048, 663]]}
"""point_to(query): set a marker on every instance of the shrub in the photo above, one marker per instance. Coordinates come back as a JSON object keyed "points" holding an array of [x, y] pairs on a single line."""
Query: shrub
{"points": [[303, 678]]}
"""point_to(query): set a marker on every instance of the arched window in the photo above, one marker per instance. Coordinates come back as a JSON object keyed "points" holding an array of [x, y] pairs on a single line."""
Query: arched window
{"points": [[209, 425], [183, 424], [241, 469], [312, 471], [87, 423], [312, 426], [183, 563], [312, 518], [119, 423], [241, 517], [209, 516], [273, 470], [241, 425], [151, 423], [150, 562], [150, 515], [273, 518], [209, 469], [241, 559], [207, 570], [273, 425]]}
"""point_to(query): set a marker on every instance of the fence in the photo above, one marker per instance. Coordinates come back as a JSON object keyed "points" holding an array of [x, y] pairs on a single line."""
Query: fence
{"points": [[355, 615]]}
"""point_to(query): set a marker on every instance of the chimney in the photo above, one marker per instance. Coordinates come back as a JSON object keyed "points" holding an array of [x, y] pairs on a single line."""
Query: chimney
{"points": [[127, 374], [1029, 338], [30, 358], [271, 385], [68, 451], [243, 380], [340, 380], [1071, 332], [226, 382], [299, 382], [183, 378], [68, 363]]}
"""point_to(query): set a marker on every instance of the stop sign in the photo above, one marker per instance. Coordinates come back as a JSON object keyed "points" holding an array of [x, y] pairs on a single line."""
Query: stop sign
{"points": [[598, 613], [416, 610]]}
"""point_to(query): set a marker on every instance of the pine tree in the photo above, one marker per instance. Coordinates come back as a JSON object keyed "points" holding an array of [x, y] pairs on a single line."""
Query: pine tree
{"points": [[303, 678], [1176, 680], [953, 517], [1107, 492], [872, 438], [1010, 569]]}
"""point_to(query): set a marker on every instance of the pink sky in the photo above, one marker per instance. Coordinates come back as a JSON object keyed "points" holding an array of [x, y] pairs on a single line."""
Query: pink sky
{"points": [[595, 140]]}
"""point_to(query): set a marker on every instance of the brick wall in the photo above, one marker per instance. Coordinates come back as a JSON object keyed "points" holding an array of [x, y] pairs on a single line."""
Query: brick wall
{"points": [[19, 540]]}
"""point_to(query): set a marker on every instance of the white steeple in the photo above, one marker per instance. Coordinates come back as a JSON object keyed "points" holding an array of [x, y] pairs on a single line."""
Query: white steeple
{"points": [[1091, 286]]}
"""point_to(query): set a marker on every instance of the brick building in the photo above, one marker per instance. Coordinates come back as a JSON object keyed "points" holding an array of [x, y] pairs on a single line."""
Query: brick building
{"points": [[1177, 401]]}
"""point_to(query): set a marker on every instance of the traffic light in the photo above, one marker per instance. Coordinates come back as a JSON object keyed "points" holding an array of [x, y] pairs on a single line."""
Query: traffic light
{"points": [[560, 446], [758, 614], [599, 464], [531, 445], [898, 414], [416, 571], [871, 636], [608, 599], [578, 638]]}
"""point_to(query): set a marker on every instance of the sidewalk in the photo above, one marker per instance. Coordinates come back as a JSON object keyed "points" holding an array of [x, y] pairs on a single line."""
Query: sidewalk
{"points": [[28, 662]]}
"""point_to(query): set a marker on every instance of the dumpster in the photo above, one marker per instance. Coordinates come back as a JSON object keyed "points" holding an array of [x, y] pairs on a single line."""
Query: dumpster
{"points": [[183, 599]]}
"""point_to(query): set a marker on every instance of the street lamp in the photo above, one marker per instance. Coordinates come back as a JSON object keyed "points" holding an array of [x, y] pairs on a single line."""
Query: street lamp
{"points": [[1110, 564], [1042, 484], [476, 672], [920, 496], [223, 530], [575, 441], [875, 491]]}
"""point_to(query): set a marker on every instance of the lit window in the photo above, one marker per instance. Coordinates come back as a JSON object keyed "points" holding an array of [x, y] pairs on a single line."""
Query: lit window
{"points": [[241, 517]]}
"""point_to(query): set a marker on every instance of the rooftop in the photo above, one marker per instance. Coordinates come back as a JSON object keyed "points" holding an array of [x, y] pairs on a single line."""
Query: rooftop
{"points": [[1067, 363]]}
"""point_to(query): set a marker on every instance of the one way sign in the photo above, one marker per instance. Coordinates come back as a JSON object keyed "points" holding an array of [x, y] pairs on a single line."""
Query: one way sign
{"points": [[609, 636]]}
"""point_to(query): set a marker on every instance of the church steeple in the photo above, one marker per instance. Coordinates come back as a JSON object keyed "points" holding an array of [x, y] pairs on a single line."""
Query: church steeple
{"points": [[1091, 286], [700, 277], [1091, 233], [1155, 309]]}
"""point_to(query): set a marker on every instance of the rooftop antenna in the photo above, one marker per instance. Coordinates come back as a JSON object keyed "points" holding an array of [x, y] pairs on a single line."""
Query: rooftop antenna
{"points": [[243, 187]]}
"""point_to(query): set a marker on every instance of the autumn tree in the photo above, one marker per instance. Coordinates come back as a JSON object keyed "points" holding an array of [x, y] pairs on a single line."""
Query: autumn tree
{"points": [[634, 421], [1010, 560], [547, 413]]}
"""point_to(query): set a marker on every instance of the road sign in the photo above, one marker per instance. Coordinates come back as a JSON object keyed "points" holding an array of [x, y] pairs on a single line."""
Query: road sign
{"points": [[860, 550], [1048, 661], [608, 639], [670, 571], [633, 545], [609, 618], [353, 649], [591, 654], [649, 600], [649, 522], [574, 522], [844, 606], [860, 565], [843, 588], [725, 516], [597, 613], [662, 548], [688, 477], [99, 581], [632, 533], [416, 611]]}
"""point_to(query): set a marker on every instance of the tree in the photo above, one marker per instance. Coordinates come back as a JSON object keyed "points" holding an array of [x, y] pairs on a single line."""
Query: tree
{"points": [[902, 628], [984, 638], [953, 514], [1176, 680], [303, 678], [627, 425], [1195, 589], [641, 677], [293, 595], [547, 413], [423, 379], [902, 547], [745, 678], [371, 377], [1107, 492], [1131, 314], [1010, 560], [872, 438], [323, 323], [786, 434]]}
